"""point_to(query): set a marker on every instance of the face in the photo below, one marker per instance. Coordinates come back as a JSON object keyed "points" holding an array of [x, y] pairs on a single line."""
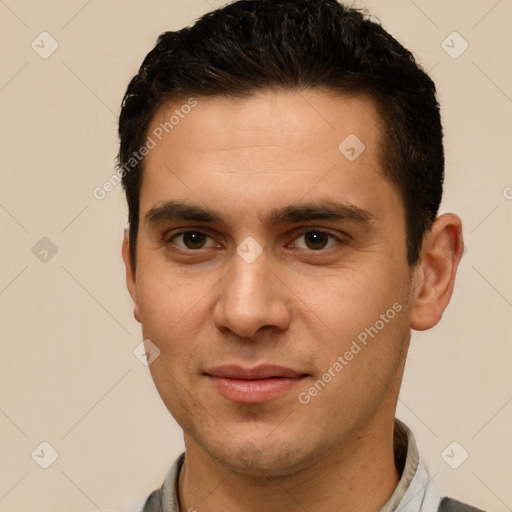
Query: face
{"points": [[272, 277]]}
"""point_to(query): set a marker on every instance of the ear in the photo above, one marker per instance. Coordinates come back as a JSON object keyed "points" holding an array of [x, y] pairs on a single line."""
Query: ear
{"points": [[434, 276], [130, 274]]}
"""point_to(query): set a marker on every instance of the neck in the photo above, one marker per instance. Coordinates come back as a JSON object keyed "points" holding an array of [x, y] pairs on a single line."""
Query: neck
{"points": [[361, 478]]}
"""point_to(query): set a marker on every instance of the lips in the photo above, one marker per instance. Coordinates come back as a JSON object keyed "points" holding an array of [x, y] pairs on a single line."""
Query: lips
{"points": [[257, 373], [254, 385]]}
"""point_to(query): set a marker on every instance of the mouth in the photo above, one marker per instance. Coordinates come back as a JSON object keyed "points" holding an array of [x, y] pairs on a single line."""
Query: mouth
{"points": [[254, 385]]}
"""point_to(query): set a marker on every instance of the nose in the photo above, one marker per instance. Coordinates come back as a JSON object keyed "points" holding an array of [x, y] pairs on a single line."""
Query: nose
{"points": [[252, 297]]}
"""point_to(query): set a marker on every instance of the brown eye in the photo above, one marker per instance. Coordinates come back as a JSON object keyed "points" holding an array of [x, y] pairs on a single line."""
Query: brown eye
{"points": [[191, 240], [316, 240], [194, 240]]}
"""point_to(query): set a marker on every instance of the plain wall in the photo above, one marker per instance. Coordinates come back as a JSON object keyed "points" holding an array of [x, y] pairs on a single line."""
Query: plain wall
{"points": [[68, 373]]}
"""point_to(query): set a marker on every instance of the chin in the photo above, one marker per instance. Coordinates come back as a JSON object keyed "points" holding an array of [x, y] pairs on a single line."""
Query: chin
{"points": [[262, 458]]}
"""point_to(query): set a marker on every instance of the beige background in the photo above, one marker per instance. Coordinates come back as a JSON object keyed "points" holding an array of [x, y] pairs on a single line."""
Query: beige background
{"points": [[68, 373]]}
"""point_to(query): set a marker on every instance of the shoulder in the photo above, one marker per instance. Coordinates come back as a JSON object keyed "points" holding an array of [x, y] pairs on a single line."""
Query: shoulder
{"points": [[166, 497], [154, 502], [451, 505]]}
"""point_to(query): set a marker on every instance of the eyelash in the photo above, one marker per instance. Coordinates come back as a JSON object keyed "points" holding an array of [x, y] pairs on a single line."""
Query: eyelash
{"points": [[168, 241]]}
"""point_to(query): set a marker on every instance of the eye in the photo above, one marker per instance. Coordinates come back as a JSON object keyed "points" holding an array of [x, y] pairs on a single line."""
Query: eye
{"points": [[315, 240], [191, 240]]}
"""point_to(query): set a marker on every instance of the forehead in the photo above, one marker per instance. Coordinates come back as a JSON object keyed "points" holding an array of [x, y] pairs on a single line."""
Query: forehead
{"points": [[268, 148], [284, 118]]}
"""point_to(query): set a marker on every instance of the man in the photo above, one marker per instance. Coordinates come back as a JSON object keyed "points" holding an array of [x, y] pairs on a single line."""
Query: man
{"points": [[283, 166]]}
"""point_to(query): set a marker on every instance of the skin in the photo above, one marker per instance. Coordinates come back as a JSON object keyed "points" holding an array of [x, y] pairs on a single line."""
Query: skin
{"points": [[296, 305]]}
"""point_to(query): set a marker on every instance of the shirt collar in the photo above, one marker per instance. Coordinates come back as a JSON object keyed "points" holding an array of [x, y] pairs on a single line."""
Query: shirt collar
{"points": [[414, 492]]}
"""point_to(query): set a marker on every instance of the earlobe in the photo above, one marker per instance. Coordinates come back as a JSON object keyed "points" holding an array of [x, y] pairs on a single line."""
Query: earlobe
{"points": [[130, 274], [434, 276]]}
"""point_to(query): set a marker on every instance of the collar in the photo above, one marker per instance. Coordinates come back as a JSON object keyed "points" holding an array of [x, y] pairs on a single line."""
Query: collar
{"points": [[414, 492]]}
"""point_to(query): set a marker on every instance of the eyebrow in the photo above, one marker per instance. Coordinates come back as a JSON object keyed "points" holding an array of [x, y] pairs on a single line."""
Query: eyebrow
{"points": [[333, 211]]}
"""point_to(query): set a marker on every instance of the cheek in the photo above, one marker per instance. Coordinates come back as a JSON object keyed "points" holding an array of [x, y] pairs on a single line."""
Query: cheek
{"points": [[172, 323], [167, 300], [172, 318], [170, 376], [368, 328], [354, 308], [349, 298]]}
